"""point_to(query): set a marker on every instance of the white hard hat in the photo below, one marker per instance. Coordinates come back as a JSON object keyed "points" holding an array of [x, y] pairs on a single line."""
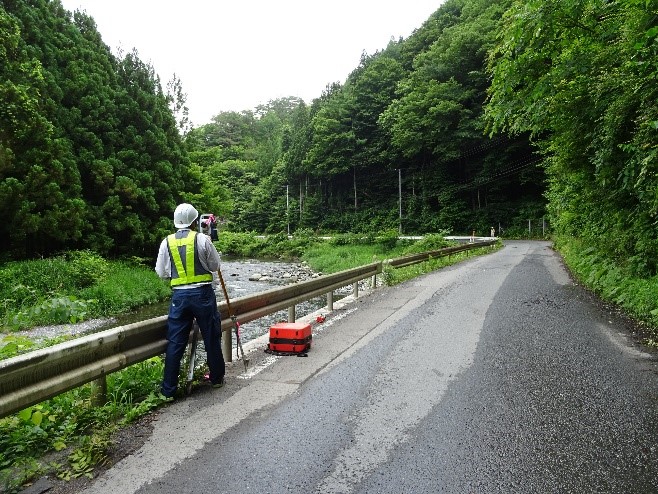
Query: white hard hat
{"points": [[184, 215]]}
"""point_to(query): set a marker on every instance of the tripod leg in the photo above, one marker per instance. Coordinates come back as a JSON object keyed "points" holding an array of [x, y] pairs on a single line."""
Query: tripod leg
{"points": [[192, 359]]}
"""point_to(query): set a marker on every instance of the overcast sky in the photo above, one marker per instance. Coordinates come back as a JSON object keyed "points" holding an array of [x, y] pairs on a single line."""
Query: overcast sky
{"points": [[234, 55]]}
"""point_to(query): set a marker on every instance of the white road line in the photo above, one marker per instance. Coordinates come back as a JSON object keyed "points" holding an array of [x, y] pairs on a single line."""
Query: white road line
{"points": [[253, 371], [321, 327], [259, 368]]}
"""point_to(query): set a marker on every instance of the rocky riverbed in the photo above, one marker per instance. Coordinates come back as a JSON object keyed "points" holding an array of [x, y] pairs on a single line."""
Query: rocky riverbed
{"points": [[242, 278]]}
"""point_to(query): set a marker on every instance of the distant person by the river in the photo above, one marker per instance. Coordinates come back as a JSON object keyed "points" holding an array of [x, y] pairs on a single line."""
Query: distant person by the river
{"points": [[189, 260], [213, 227]]}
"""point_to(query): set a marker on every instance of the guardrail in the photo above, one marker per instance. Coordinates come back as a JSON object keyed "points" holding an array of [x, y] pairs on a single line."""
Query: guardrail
{"points": [[400, 262], [39, 375]]}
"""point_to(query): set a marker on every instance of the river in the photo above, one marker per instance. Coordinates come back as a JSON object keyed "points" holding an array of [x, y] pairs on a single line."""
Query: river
{"points": [[239, 279]]}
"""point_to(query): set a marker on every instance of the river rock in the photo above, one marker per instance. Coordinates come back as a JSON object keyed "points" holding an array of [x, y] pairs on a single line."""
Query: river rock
{"points": [[300, 272]]}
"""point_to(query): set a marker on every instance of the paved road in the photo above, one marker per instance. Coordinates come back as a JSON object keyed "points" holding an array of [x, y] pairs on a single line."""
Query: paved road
{"points": [[498, 375]]}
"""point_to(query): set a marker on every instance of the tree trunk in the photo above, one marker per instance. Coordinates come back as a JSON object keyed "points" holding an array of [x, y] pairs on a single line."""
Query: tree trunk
{"points": [[355, 205]]}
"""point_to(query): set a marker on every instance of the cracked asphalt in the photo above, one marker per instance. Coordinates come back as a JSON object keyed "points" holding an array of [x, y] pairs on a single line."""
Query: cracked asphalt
{"points": [[497, 375]]}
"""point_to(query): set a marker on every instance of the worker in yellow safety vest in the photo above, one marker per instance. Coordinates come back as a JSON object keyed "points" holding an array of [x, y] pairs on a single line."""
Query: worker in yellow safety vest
{"points": [[188, 259]]}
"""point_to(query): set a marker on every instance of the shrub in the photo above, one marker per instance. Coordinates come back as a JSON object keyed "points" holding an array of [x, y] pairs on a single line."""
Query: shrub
{"points": [[238, 244], [86, 268], [388, 239], [434, 241], [57, 310]]}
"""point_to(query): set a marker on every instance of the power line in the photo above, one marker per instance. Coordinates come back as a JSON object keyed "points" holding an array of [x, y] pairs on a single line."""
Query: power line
{"points": [[477, 182]]}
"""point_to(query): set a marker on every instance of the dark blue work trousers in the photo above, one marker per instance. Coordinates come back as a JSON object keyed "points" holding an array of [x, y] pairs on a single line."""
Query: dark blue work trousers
{"points": [[186, 304]]}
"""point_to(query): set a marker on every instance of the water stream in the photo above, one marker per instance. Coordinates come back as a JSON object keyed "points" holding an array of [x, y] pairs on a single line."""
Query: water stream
{"points": [[237, 276]]}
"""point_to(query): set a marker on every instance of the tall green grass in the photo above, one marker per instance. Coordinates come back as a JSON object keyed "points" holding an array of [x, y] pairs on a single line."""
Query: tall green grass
{"points": [[609, 279], [73, 287], [342, 252], [327, 258], [72, 429], [277, 246], [127, 287]]}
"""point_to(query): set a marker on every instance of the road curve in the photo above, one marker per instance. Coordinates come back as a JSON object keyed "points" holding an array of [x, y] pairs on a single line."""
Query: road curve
{"points": [[496, 375]]}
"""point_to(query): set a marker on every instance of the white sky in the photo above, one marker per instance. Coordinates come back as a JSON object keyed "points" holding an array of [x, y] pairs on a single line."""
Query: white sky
{"points": [[232, 55]]}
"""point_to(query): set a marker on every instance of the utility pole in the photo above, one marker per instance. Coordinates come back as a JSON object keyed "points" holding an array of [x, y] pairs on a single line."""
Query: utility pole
{"points": [[400, 198], [288, 207], [354, 178]]}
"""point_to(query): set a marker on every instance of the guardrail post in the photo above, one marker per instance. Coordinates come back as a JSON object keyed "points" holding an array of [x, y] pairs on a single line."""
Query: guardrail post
{"points": [[330, 301], [99, 392], [36, 376], [356, 289], [227, 345]]}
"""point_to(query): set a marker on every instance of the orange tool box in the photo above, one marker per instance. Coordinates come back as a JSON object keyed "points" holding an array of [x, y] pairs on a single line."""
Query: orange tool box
{"points": [[290, 337]]}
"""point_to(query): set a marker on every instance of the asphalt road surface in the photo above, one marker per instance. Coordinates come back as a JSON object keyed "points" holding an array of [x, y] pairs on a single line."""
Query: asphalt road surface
{"points": [[497, 375]]}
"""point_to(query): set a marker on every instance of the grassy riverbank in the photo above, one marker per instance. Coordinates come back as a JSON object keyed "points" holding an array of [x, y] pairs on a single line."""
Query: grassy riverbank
{"points": [[79, 286], [71, 431], [68, 435], [614, 283]]}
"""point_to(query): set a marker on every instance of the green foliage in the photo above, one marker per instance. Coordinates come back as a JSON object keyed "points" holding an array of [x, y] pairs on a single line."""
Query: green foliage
{"points": [[73, 287], [26, 281], [612, 281], [416, 106], [90, 453], [277, 246], [580, 77], [71, 424], [93, 157], [42, 291], [86, 268], [127, 287], [428, 243], [90, 152], [239, 244], [58, 310], [350, 239], [347, 251], [12, 345]]}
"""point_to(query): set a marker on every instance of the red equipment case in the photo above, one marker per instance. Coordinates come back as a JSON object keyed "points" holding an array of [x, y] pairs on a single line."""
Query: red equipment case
{"points": [[290, 337]]}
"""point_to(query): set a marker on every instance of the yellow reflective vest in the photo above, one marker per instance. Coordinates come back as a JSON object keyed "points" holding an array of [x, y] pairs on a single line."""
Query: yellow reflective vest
{"points": [[185, 265]]}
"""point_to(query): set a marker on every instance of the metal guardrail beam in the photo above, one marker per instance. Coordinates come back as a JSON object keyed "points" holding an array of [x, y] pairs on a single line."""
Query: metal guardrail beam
{"points": [[36, 376], [260, 304], [39, 375], [400, 262]]}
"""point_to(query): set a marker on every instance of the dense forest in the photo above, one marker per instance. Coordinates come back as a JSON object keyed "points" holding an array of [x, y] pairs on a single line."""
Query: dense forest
{"points": [[491, 113], [404, 133], [580, 77]]}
